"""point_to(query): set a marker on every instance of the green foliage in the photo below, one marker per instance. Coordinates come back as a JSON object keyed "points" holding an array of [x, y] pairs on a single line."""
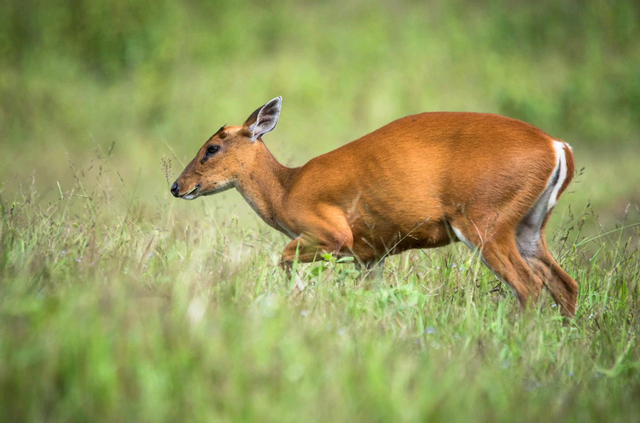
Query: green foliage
{"points": [[118, 303], [113, 309]]}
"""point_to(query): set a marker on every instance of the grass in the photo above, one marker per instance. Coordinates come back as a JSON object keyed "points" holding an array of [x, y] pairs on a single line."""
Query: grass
{"points": [[119, 303], [113, 309]]}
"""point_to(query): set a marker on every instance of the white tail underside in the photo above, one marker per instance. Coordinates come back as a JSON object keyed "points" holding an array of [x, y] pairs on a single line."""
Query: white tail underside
{"points": [[562, 162]]}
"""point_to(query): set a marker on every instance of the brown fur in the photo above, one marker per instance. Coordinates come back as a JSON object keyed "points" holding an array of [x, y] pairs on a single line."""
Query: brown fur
{"points": [[401, 187]]}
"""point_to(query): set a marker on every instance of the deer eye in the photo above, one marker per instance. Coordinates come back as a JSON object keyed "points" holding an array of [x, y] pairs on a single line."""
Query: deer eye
{"points": [[212, 149]]}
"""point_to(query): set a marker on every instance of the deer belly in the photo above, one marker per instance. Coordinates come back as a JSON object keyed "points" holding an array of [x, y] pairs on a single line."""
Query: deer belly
{"points": [[377, 239]]}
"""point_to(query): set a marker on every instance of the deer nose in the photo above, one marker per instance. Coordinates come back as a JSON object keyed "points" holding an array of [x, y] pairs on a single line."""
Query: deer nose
{"points": [[175, 188]]}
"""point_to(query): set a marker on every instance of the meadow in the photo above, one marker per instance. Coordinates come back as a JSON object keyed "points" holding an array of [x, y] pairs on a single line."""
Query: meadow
{"points": [[120, 303]]}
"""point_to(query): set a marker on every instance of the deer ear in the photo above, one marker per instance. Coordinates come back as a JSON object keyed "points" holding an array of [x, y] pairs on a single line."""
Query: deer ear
{"points": [[264, 119]]}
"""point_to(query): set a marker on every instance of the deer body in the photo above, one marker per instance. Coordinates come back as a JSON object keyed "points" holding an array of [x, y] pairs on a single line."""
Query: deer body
{"points": [[419, 182]]}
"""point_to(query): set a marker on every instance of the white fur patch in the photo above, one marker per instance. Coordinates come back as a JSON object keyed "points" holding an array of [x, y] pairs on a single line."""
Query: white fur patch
{"points": [[562, 162], [462, 239]]}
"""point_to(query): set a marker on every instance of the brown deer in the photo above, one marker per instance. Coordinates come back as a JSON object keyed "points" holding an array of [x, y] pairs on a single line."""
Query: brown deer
{"points": [[422, 181]]}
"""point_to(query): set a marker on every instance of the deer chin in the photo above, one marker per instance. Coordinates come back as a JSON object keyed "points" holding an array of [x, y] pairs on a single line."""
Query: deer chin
{"points": [[217, 188]]}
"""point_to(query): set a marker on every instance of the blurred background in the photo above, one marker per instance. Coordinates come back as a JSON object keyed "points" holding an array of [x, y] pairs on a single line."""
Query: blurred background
{"points": [[140, 83], [120, 303]]}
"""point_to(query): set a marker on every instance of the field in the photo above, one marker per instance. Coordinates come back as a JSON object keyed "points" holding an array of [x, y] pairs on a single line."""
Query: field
{"points": [[120, 303]]}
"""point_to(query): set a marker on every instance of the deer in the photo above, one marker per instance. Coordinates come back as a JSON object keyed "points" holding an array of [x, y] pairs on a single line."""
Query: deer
{"points": [[423, 181]]}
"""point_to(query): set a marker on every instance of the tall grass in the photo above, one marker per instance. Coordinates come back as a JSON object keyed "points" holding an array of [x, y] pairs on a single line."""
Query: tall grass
{"points": [[113, 309], [118, 303]]}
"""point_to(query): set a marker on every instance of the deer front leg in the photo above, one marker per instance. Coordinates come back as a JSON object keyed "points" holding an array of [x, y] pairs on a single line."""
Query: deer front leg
{"points": [[305, 251], [325, 231], [308, 249]]}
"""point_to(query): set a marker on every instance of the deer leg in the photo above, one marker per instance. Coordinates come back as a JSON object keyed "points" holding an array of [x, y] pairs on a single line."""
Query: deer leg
{"points": [[562, 287], [503, 258], [500, 254], [532, 246]]}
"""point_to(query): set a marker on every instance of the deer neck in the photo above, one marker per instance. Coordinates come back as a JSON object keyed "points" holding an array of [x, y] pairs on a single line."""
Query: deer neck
{"points": [[264, 186]]}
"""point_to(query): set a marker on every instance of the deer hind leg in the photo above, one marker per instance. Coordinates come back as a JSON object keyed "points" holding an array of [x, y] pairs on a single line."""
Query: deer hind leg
{"points": [[530, 239], [500, 254], [562, 287], [533, 248]]}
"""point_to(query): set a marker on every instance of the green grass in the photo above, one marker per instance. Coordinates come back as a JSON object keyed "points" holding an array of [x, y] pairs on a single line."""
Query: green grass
{"points": [[113, 309], [119, 303]]}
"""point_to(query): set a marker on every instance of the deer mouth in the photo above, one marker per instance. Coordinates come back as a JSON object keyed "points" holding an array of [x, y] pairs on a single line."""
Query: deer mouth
{"points": [[193, 193]]}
